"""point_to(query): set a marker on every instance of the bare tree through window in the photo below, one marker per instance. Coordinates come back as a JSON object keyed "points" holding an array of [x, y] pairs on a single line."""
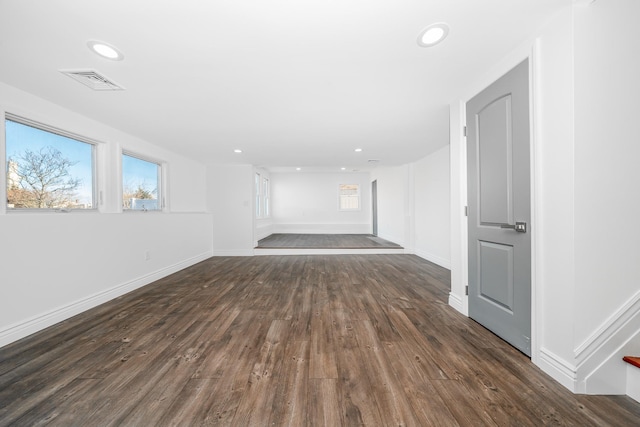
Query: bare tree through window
{"points": [[47, 170]]}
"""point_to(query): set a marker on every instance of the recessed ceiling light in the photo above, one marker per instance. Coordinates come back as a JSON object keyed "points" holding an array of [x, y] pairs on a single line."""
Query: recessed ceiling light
{"points": [[358, 150], [343, 169], [237, 150], [105, 50], [298, 169], [433, 34]]}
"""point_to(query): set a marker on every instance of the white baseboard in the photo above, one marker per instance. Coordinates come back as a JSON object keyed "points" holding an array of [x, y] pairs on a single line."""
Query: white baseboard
{"points": [[442, 262], [455, 301], [321, 229], [37, 323], [597, 366], [558, 368], [262, 231], [233, 252]]}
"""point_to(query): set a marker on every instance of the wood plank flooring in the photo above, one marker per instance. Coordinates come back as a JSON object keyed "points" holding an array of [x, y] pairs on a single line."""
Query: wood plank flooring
{"points": [[325, 241], [345, 340]]}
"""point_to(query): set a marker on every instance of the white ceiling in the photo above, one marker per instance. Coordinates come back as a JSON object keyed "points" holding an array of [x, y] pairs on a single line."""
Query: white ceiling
{"points": [[291, 82]]}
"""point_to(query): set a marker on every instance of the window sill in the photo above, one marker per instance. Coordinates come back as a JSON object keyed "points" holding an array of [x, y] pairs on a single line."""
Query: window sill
{"points": [[18, 211]]}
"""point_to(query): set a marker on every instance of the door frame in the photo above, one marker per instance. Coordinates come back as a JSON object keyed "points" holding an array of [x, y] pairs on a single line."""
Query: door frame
{"points": [[458, 163], [374, 207]]}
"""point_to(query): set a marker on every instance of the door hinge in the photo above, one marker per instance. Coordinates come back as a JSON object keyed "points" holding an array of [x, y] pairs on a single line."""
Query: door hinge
{"points": [[464, 130], [466, 211], [466, 290]]}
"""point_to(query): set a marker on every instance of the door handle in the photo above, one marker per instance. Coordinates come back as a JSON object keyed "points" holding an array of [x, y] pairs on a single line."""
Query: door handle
{"points": [[520, 227]]}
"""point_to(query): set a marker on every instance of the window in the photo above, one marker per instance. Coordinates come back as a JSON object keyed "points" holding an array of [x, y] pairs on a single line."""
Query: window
{"points": [[258, 197], [48, 168], [265, 197], [261, 189], [349, 197], [141, 184]]}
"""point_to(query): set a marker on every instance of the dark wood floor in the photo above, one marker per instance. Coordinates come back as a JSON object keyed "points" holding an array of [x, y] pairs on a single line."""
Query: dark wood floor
{"points": [[325, 241], [287, 340]]}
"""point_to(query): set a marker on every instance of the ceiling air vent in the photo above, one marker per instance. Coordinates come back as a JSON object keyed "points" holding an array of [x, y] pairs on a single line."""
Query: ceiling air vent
{"points": [[92, 79]]}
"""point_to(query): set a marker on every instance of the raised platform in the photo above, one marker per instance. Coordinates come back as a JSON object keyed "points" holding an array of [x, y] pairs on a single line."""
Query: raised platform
{"points": [[320, 251], [326, 244]]}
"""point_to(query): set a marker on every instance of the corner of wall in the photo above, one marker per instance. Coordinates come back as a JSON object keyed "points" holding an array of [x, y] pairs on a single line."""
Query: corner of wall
{"points": [[442, 262], [457, 302], [558, 368]]}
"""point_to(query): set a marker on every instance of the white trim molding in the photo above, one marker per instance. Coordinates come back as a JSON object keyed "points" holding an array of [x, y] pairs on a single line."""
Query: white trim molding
{"points": [[233, 252], [600, 368], [625, 314], [558, 368], [442, 262], [456, 302]]}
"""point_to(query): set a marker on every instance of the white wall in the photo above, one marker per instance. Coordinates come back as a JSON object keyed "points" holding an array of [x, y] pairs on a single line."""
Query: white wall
{"points": [[230, 195], [431, 217], [414, 206], [307, 202], [394, 215], [607, 152], [587, 270], [554, 198], [607, 202], [56, 265], [586, 297]]}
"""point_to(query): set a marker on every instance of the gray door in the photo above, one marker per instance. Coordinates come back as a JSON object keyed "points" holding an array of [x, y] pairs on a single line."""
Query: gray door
{"points": [[374, 207], [499, 208]]}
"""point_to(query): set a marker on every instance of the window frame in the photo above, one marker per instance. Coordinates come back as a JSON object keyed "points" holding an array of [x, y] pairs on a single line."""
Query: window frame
{"points": [[266, 194], [257, 185], [357, 195], [161, 177], [95, 145]]}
